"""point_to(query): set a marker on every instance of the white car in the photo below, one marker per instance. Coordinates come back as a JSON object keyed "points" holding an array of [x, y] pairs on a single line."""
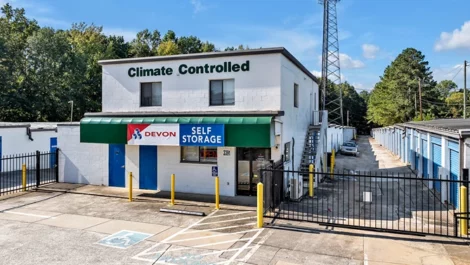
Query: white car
{"points": [[349, 148]]}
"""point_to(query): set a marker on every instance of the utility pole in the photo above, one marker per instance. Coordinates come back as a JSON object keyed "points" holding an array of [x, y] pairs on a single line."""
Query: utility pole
{"points": [[465, 89], [416, 103], [420, 101], [347, 117]]}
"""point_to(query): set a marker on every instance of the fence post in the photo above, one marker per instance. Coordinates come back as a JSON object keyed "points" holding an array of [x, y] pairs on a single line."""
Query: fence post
{"points": [[259, 210], [463, 209], [38, 168], [172, 202], [332, 166], [217, 191], [310, 180], [24, 176], [56, 166]]}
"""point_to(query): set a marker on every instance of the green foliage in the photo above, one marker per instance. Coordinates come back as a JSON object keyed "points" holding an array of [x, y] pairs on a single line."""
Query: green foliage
{"points": [[394, 97], [455, 104], [42, 69]]}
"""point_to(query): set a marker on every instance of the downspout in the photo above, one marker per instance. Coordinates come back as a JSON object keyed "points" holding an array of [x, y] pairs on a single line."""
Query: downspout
{"points": [[28, 132]]}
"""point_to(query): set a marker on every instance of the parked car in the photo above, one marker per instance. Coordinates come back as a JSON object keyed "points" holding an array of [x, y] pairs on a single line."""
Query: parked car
{"points": [[349, 148]]}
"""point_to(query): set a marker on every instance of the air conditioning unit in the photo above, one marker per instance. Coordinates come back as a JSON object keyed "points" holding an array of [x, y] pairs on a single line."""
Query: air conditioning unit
{"points": [[296, 188]]}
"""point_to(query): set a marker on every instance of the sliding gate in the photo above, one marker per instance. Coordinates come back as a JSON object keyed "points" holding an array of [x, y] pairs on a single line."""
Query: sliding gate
{"points": [[381, 201]]}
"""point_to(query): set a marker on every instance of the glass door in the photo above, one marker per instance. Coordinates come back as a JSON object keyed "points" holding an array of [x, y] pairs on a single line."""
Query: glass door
{"points": [[249, 162]]}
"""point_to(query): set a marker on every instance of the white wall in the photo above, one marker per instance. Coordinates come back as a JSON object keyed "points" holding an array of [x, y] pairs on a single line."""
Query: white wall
{"points": [[16, 141], [348, 134], [132, 165], [193, 177], [81, 162], [256, 89], [295, 121], [334, 138]]}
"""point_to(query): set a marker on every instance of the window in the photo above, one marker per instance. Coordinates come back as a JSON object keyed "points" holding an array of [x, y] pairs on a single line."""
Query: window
{"points": [[150, 94], [287, 152], [199, 154], [296, 96], [222, 92]]}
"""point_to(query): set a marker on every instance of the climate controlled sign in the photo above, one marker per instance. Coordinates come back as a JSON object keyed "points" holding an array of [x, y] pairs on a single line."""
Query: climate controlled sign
{"points": [[176, 134]]}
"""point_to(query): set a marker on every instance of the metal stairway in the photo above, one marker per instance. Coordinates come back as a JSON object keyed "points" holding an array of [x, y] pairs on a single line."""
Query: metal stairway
{"points": [[310, 149]]}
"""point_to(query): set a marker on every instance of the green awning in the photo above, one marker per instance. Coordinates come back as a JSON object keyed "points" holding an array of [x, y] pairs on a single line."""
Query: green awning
{"points": [[239, 131]]}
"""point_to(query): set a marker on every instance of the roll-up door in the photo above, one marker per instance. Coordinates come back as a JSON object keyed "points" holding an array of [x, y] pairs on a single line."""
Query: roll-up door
{"points": [[454, 172], [436, 164], [424, 148]]}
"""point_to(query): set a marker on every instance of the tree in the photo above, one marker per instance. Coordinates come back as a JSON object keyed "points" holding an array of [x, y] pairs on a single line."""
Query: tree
{"points": [[455, 104], [394, 97], [145, 44], [170, 36], [445, 87], [208, 47], [168, 48], [189, 44]]}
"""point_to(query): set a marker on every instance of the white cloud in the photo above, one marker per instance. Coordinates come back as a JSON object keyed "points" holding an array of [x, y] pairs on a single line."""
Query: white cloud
{"points": [[370, 51], [344, 34], [128, 34], [457, 39], [198, 6], [318, 74], [349, 63], [358, 86], [449, 72], [52, 22]]}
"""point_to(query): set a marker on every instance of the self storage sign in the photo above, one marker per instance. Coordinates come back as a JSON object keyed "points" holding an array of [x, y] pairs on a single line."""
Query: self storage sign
{"points": [[202, 135], [176, 134]]}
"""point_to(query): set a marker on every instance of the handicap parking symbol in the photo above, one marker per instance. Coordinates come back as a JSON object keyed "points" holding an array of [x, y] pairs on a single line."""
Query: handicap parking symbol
{"points": [[124, 239]]}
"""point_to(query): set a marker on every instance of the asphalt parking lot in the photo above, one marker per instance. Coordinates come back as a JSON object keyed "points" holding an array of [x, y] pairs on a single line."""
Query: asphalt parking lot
{"points": [[73, 224]]}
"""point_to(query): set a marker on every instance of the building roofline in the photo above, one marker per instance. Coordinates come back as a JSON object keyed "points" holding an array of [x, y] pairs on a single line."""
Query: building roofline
{"points": [[186, 114], [204, 55], [443, 132]]}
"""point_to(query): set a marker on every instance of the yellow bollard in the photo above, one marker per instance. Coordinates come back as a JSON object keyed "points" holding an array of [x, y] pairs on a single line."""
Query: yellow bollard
{"points": [[310, 180], [217, 192], [24, 177], [172, 202], [130, 186], [463, 209], [259, 210]]}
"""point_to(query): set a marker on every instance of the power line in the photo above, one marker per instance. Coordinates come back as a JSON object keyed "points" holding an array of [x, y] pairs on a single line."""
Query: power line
{"points": [[457, 73]]}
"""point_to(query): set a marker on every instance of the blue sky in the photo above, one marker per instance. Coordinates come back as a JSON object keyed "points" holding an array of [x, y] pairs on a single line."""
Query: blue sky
{"points": [[372, 32]]}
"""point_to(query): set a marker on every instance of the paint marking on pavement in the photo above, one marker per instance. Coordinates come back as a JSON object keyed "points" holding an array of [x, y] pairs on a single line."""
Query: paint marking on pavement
{"points": [[219, 228], [30, 214], [226, 221], [366, 259], [257, 246], [211, 236], [245, 246], [229, 214]]}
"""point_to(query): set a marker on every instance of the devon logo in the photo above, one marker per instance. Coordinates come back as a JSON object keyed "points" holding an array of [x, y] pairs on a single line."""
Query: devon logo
{"points": [[137, 134]]}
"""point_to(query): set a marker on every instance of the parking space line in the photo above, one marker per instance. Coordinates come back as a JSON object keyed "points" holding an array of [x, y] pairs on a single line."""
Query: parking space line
{"points": [[229, 214], [245, 246], [257, 246], [226, 221], [218, 228], [30, 214], [222, 234], [219, 243]]}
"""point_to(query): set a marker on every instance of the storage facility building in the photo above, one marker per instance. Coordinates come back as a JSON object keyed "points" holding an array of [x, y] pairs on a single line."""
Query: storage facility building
{"points": [[437, 149]]}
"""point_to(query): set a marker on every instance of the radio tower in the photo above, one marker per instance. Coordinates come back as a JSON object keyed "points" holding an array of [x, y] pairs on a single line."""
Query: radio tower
{"points": [[330, 62]]}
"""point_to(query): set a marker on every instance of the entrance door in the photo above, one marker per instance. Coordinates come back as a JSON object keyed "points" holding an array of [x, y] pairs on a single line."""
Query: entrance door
{"points": [[52, 150], [148, 167], [250, 161], [117, 166]]}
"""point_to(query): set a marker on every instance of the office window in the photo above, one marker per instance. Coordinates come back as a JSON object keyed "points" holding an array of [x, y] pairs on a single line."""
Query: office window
{"points": [[222, 92], [150, 94], [199, 154], [296, 95]]}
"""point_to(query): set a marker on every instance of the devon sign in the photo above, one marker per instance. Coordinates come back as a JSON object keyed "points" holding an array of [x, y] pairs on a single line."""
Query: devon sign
{"points": [[183, 69], [176, 134]]}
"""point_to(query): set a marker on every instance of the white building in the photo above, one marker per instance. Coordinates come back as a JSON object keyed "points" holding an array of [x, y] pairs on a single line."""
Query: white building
{"points": [[25, 138], [185, 114]]}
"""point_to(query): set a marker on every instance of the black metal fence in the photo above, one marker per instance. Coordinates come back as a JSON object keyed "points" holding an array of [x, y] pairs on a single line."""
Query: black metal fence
{"points": [[40, 168], [392, 202]]}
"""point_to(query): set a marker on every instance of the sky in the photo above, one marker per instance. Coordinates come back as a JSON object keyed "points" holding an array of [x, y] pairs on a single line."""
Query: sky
{"points": [[371, 32]]}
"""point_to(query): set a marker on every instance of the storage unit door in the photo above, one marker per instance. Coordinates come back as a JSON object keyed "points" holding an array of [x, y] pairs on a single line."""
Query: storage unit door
{"points": [[409, 149], [424, 148], [436, 163], [416, 153], [454, 175]]}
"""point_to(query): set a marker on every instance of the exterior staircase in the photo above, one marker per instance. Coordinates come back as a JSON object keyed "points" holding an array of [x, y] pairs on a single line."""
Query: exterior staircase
{"points": [[310, 149]]}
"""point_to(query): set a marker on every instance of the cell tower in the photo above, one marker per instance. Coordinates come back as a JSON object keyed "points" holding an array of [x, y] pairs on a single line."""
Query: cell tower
{"points": [[330, 62]]}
